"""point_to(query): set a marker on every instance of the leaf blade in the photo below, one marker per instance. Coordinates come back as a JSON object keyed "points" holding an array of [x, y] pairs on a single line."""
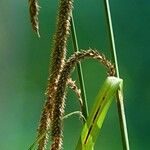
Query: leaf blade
{"points": [[98, 113]]}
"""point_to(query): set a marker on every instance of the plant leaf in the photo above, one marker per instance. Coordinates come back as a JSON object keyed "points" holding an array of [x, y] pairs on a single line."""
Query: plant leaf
{"points": [[98, 113]]}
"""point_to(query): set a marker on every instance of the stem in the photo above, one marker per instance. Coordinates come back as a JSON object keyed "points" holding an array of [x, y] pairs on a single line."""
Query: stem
{"points": [[111, 36], [79, 70], [120, 103]]}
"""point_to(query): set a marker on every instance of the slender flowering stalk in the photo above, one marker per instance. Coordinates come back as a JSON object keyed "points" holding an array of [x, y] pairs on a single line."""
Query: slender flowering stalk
{"points": [[34, 12], [59, 99], [57, 59]]}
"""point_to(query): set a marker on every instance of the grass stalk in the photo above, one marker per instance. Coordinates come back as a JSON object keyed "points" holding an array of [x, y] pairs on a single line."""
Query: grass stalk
{"points": [[120, 103], [79, 70]]}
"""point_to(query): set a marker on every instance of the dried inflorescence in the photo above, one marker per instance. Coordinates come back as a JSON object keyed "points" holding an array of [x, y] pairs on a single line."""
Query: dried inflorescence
{"points": [[57, 63], [34, 12], [59, 99], [60, 72], [74, 87]]}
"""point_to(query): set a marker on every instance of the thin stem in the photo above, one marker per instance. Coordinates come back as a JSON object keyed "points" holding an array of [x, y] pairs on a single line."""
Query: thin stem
{"points": [[79, 70], [120, 103], [111, 35]]}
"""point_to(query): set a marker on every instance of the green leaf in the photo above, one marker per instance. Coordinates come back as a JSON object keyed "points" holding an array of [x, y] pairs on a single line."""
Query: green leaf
{"points": [[98, 113]]}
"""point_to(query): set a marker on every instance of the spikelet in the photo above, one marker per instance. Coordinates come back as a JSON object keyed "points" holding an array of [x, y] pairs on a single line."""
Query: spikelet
{"points": [[34, 12], [58, 112], [77, 91], [57, 59]]}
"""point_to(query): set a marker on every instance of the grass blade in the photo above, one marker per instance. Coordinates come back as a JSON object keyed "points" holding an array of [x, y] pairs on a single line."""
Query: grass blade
{"points": [[98, 113]]}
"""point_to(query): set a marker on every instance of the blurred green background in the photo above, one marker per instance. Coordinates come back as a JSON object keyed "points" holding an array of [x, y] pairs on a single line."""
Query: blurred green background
{"points": [[24, 62]]}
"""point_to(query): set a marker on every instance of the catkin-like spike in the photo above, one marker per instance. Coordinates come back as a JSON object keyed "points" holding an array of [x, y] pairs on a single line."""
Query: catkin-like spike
{"points": [[57, 59], [58, 112], [74, 87], [34, 12]]}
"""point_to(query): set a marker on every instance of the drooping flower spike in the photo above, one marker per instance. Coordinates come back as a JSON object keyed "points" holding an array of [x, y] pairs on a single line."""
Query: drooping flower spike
{"points": [[34, 12]]}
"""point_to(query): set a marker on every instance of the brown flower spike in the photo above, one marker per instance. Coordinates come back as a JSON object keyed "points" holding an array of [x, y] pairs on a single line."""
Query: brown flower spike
{"points": [[34, 12], [60, 72], [59, 99], [57, 63], [77, 91]]}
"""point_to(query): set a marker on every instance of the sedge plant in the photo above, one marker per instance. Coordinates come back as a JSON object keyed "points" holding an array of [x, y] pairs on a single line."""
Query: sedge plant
{"points": [[53, 114]]}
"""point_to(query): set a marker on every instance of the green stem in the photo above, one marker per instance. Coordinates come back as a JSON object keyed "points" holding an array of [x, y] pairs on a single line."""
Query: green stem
{"points": [[79, 70], [120, 103], [111, 36]]}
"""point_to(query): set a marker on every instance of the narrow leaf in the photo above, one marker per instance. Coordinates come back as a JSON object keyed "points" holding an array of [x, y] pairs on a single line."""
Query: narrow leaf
{"points": [[98, 113]]}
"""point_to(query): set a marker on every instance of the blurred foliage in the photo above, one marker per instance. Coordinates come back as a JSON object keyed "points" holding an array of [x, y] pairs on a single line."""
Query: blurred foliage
{"points": [[24, 61]]}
